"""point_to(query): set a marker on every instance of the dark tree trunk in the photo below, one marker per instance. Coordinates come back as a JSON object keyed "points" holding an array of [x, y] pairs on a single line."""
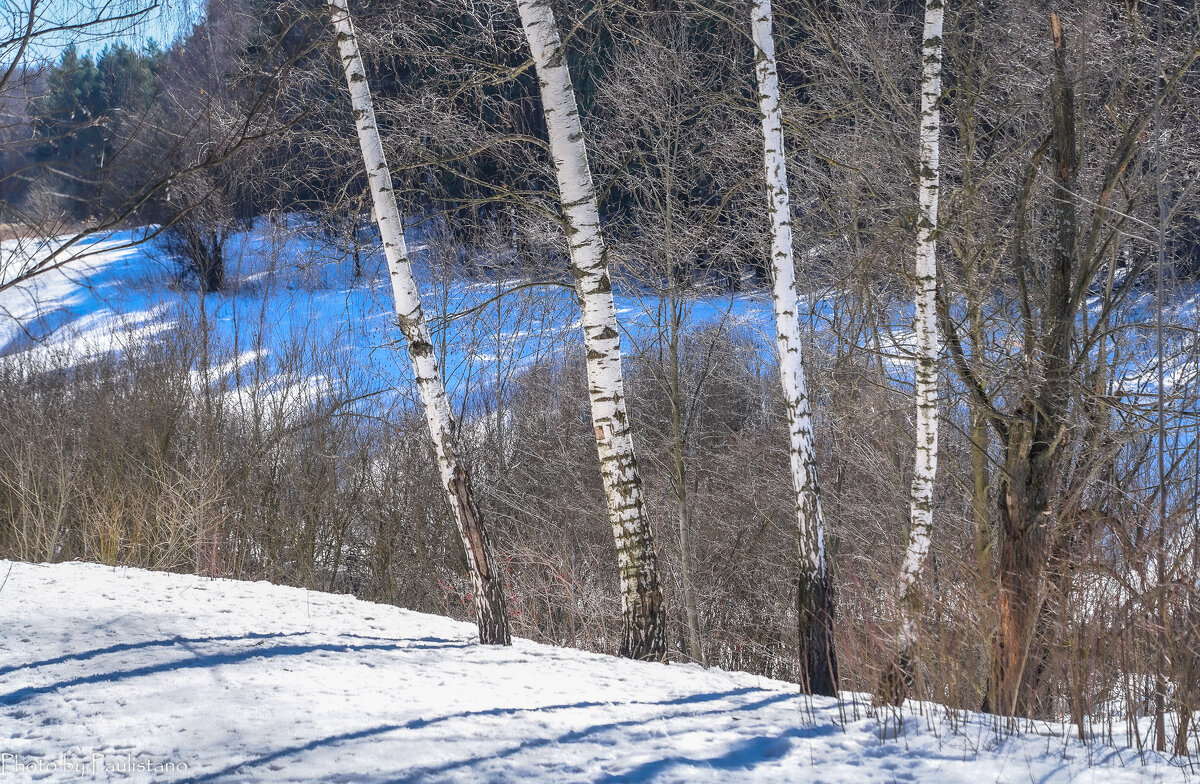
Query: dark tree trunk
{"points": [[491, 614], [1036, 431], [818, 657], [1026, 520]]}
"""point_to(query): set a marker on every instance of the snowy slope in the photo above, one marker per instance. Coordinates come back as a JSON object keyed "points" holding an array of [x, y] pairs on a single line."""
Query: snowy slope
{"points": [[293, 293], [126, 675], [291, 287]]}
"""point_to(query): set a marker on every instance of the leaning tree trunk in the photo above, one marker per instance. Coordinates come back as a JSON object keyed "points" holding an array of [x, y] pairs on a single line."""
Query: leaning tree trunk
{"points": [[898, 679], [643, 634], [815, 598], [485, 578]]}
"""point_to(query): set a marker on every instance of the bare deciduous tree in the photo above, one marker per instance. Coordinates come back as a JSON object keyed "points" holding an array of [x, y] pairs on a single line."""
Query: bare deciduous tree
{"points": [[815, 594], [490, 612], [644, 633], [897, 680]]}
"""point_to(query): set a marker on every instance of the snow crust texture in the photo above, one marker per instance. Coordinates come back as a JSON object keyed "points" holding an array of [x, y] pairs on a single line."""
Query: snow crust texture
{"points": [[127, 675]]}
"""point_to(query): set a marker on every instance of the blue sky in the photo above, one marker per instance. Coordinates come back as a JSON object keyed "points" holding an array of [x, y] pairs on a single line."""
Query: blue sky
{"points": [[162, 21]]}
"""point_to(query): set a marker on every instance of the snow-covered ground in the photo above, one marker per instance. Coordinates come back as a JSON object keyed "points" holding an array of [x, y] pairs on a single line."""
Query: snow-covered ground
{"points": [[294, 291], [127, 675], [297, 319]]}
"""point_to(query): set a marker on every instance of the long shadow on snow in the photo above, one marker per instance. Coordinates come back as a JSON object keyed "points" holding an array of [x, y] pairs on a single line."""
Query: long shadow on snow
{"points": [[215, 660], [416, 724], [575, 736], [99, 285], [332, 740], [743, 756], [131, 646]]}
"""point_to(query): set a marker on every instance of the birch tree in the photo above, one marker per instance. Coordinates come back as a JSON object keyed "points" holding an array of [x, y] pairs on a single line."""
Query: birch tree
{"points": [[898, 678], [490, 613], [815, 597], [643, 634]]}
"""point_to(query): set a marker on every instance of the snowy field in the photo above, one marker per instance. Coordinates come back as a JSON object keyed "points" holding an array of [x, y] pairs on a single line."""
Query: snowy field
{"points": [[298, 318], [297, 311], [127, 675]]}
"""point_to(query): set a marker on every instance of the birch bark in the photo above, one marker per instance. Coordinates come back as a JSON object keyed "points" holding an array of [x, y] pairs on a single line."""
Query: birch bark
{"points": [[643, 615], [815, 595], [896, 682], [490, 612]]}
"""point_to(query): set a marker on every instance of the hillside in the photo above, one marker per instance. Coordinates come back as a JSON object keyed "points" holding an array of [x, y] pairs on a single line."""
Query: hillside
{"points": [[166, 677], [298, 311]]}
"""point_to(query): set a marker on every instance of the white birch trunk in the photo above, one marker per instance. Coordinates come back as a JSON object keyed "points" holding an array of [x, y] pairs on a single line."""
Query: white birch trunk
{"points": [[488, 590], [927, 342], [643, 615], [816, 589]]}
